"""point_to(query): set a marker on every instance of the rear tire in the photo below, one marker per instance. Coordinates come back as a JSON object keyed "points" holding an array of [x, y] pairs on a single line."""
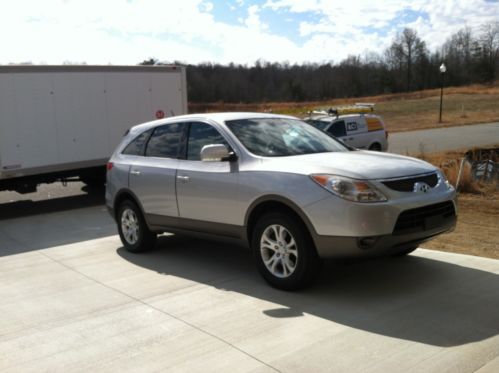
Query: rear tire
{"points": [[375, 147], [284, 252], [132, 227]]}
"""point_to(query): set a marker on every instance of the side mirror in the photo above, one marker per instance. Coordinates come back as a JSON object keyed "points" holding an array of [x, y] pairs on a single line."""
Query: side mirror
{"points": [[217, 153]]}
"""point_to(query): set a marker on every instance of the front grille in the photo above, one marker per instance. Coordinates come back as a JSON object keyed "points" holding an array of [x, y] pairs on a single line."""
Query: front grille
{"points": [[424, 218], [407, 185]]}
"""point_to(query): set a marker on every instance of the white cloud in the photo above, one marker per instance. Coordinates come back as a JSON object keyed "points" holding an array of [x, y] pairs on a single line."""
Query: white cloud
{"points": [[127, 32], [347, 23], [207, 7], [253, 21]]}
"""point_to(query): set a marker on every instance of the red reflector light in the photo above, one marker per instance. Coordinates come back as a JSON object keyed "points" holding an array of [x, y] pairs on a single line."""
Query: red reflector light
{"points": [[109, 165]]}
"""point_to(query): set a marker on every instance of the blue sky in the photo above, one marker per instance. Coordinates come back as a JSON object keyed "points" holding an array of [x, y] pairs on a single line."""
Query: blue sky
{"points": [[240, 31]]}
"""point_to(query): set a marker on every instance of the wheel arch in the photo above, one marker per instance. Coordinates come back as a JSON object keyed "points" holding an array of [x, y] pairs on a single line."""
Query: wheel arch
{"points": [[378, 146], [123, 195], [270, 203]]}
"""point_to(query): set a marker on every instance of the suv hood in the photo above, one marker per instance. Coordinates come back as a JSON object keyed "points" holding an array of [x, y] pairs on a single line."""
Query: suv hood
{"points": [[355, 164]]}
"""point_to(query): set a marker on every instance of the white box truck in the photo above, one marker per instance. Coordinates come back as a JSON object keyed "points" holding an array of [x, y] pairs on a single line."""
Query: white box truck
{"points": [[60, 123]]}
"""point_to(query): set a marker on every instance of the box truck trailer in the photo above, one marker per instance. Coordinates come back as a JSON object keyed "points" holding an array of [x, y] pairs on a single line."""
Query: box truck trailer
{"points": [[62, 123]]}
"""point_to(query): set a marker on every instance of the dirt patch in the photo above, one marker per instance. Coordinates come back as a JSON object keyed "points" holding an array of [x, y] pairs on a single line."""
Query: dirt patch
{"points": [[477, 230]]}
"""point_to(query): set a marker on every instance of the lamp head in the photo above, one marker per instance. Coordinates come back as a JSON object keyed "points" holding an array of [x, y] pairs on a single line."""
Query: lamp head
{"points": [[443, 69]]}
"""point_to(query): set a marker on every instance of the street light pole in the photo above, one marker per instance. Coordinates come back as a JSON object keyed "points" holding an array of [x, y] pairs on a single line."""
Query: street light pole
{"points": [[443, 69]]}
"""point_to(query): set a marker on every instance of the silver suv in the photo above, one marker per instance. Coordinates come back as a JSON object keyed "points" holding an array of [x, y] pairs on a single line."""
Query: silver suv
{"points": [[282, 187]]}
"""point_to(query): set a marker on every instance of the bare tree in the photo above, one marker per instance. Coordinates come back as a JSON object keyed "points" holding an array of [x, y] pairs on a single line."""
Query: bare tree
{"points": [[406, 50], [489, 41]]}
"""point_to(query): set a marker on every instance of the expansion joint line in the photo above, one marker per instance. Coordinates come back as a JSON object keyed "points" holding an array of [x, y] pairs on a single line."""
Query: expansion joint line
{"points": [[162, 311]]}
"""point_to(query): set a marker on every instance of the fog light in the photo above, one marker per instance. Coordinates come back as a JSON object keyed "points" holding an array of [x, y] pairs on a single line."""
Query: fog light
{"points": [[366, 243]]}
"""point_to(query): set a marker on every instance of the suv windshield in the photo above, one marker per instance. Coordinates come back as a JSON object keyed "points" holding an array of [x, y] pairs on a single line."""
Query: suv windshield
{"points": [[279, 137]]}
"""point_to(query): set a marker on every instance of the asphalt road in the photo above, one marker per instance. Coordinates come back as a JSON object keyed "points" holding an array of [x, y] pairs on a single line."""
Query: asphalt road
{"points": [[442, 139]]}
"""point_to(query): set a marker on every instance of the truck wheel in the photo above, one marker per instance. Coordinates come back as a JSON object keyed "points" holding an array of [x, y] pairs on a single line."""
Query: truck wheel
{"points": [[375, 147], [134, 233], [284, 252]]}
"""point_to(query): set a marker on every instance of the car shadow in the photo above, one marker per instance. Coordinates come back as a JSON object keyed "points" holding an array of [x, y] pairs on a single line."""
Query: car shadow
{"points": [[411, 298], [27, 207], [27, 225]]}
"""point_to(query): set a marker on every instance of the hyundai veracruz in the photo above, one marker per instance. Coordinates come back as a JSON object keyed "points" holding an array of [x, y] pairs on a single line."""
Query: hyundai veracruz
{"points": [[287, 190]]}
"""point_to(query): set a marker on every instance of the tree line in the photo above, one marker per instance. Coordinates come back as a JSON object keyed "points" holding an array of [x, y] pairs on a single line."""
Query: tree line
{"points": [[406, 65]]}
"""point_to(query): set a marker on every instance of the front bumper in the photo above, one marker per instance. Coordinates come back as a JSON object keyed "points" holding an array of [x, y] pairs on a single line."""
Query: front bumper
{"points": [[381, 245], [408, 229]]}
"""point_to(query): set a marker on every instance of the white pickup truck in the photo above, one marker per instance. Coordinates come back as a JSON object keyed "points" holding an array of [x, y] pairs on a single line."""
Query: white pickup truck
{"points": [[62, 123]]}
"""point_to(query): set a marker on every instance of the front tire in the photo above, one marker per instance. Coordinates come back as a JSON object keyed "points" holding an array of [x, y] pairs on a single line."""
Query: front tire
{"points": [[284, 252], [134, 233]]}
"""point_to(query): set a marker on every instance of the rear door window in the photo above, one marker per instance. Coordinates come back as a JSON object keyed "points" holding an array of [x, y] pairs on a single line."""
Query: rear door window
{"points": [[337, 129], [165, 141]]}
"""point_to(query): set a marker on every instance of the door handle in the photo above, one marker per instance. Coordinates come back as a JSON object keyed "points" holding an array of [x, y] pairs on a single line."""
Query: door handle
{"points": [[183, 179], [135, 172], [351, 138]]}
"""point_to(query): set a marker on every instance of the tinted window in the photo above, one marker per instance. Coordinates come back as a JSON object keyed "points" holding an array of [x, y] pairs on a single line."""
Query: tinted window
{"points": [[136, 147], [320, 124], [201, 134], [337, 129], [165, 140], [276, 137]]}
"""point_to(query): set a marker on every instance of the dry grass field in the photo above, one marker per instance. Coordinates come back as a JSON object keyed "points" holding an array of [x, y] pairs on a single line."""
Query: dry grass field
{"points": [[401, 112], [477, 230]]}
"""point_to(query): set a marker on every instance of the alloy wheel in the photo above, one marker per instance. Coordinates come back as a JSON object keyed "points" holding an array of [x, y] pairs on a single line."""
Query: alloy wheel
{"points": [[130, 226], [279, 251]]}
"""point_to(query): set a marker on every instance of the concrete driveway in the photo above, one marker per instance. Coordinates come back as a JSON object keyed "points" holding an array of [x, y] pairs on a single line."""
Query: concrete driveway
{"points": [[72, 299]]}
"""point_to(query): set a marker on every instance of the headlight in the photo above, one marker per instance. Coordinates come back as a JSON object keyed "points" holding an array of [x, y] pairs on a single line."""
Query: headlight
{"points": [[442, 179], [350, 189]]}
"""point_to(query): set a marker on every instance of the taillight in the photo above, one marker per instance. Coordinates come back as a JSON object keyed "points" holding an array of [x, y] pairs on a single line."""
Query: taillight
{"points": [[386, 134], [109, 166]]}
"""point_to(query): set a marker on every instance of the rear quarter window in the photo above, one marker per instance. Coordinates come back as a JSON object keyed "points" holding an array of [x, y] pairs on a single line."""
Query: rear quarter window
{"points": [[137, 145]]}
